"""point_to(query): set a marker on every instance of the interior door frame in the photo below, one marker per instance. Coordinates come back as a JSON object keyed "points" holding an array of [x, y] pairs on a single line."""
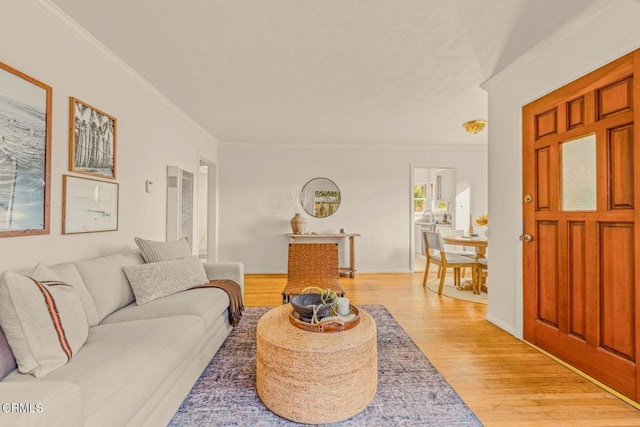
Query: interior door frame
{"points": [[412, 227], [211, 206]]}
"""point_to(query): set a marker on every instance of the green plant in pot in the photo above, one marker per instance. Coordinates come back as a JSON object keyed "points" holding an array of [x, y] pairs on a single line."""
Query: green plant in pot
{"points": [[315, 303]]}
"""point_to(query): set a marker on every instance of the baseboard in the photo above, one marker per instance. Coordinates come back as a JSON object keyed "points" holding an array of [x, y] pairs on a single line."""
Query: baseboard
{"points": [[502, 325], [274, 272], [357, 272], [392, 271]]}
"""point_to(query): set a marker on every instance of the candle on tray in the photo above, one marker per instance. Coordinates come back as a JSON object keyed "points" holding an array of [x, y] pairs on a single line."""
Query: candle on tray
{"points": [[343, 306]]}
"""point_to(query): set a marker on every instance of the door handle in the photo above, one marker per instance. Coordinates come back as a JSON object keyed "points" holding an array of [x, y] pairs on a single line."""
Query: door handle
{"points": [[525, 238]]}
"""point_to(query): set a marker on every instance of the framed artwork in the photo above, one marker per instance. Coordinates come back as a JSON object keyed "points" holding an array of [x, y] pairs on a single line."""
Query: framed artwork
{"points": [[25, 154], [92, 140], [88, 205]]}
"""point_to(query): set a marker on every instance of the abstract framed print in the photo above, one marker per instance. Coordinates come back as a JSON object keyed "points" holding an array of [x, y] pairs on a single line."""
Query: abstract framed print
{"points": [[88, 205], [25, 154]]}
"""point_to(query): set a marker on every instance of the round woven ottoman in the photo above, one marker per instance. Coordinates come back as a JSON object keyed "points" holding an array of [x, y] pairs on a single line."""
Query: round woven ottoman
{"points": [[311, 377]]}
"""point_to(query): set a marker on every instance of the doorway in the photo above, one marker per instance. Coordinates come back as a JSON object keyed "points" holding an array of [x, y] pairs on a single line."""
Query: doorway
{"points": [[581, 243], [207, 211], [434, 202]]}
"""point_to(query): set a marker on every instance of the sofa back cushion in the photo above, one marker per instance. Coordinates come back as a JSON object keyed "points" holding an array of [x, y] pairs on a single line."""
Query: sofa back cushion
{"points": [[106, 282], [155, 251], [68, 273]]}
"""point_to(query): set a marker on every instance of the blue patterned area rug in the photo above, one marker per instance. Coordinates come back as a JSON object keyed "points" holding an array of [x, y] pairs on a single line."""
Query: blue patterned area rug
{"points": [[411, 392]]}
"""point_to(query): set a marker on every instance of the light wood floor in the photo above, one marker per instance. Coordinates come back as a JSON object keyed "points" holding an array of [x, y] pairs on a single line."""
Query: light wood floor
{"points": [[503, 380]]}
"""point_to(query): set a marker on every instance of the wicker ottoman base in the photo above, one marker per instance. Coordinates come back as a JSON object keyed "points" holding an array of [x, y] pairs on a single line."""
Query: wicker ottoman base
{"points": [[311, 377]]}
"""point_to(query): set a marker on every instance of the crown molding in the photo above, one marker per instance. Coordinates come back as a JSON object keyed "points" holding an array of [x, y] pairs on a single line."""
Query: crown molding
{"points": [[63, 20], [480, 147]]}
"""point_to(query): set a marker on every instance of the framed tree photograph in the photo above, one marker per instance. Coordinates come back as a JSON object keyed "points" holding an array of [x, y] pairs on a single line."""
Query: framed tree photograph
{"points": [[92, 140], [25, 154], [88, 205]]}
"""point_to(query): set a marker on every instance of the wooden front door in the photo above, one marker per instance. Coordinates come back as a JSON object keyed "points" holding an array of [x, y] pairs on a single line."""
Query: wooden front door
{"points": [[581, 243]]}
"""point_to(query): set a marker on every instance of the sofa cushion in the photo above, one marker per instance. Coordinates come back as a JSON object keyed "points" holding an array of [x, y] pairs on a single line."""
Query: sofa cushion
{"points": [[122, 364], [68, 273], [106, 281], [44, 321], [208, 303], [156, 280], [154, 251]]}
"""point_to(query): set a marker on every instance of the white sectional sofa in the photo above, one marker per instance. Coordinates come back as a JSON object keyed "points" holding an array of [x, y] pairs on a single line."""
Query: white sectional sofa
{"points": [[139, 361]]}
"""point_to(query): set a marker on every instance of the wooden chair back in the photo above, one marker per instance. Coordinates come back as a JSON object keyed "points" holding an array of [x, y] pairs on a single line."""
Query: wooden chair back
{"points": [[312, 264]]}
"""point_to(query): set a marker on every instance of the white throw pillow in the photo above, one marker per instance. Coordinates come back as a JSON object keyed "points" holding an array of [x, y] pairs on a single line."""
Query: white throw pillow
{"points": [[153, 251], [159, 279], [43, 320]]}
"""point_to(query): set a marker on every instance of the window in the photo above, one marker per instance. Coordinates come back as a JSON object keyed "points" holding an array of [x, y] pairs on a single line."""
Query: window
{"points": [[419, 197], [579, 174]]}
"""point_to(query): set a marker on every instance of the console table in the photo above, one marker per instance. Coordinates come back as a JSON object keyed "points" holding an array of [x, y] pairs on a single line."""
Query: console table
{"points": [[351, 270]]}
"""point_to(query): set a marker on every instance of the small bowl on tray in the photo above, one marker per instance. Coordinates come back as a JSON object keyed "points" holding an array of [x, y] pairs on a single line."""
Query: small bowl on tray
{"points": [[304, 304]]}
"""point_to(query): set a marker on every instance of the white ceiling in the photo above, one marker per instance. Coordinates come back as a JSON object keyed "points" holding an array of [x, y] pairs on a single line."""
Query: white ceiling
{"points": [[390, 72]]}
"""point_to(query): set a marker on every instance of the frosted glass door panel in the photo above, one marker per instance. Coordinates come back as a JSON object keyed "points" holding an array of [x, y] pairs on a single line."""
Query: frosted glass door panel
{"points": [[579, 174]]}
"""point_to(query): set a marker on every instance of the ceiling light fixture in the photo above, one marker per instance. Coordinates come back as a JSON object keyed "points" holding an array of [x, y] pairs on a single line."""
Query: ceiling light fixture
{"points": [[474, 126]]}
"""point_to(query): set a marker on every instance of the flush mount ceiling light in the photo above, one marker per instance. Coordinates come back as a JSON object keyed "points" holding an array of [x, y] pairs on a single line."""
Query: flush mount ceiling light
{"points": [[474, 126]]}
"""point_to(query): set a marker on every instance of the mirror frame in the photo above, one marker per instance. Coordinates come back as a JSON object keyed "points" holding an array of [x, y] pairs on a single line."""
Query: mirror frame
{"points": [[308, 200]]}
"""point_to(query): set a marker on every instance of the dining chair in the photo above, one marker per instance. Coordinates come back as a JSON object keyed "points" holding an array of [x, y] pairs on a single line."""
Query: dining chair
{"points": [[456, 249], [436, 254], [312, 264], [481, 274], [450, 249]]}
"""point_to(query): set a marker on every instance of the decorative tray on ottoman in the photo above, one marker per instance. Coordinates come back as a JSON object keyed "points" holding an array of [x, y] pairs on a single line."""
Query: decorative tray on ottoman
{"points": [[328, 324]]}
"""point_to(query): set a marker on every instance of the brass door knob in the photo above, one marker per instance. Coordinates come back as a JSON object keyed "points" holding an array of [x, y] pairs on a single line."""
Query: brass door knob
{"points": [[526, 238]]}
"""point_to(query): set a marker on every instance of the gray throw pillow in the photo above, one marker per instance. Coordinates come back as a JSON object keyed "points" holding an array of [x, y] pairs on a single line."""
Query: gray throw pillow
{"points": [[160, 279], [154, 251]]}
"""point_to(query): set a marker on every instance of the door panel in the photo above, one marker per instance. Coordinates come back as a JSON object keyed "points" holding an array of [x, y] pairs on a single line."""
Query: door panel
{"points": [[581, 295], [614, 98], [543, 185], [620, 154], [577, 280], [548, 273], [575, 113], [547, 123], [616, 289]]}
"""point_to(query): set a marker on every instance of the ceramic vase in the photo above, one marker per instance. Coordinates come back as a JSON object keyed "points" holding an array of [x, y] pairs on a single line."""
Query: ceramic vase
{"points": [[298, 224]]}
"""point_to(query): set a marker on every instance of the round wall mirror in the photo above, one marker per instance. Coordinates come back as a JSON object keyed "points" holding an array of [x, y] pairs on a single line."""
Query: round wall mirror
{"points": [[320, 197]]}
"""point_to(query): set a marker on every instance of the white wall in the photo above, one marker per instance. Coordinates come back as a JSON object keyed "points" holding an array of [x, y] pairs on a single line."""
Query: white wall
{"points": [[375, 183], [37, 39], [579, 50]]}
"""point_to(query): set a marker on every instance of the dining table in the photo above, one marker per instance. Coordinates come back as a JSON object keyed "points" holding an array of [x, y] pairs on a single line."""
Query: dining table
{"points": [[478, 243]]}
